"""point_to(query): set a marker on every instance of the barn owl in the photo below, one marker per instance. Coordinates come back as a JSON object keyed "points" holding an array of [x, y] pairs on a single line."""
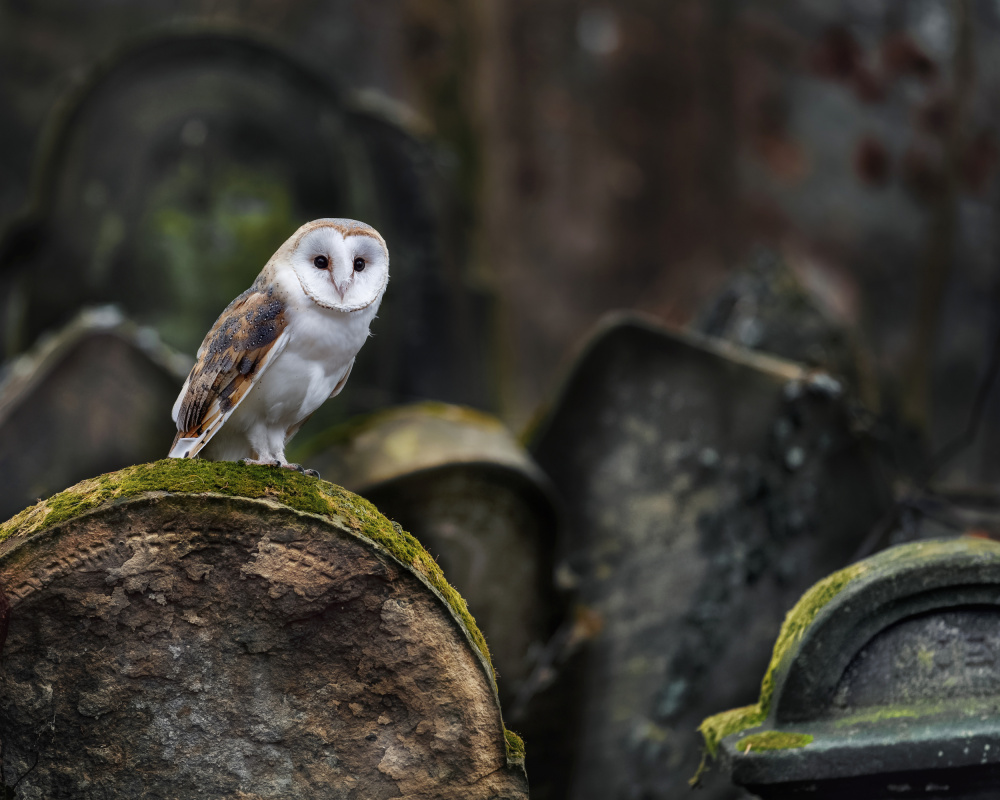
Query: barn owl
{"points": [[283, 346]]}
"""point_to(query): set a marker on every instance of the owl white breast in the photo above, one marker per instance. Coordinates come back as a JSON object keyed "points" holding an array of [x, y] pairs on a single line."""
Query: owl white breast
{"points": [[283, 346]]}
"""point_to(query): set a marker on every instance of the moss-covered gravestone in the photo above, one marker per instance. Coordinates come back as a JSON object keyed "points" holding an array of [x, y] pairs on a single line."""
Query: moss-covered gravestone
{"points": [[884, 682], [706, 488], [186, 629]]}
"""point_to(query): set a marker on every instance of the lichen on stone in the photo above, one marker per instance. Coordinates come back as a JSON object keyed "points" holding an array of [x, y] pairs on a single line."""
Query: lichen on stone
{"points": [[716, 728], [295, 490], [773, 740], [515, 745], [947, 707], [800, 618]]}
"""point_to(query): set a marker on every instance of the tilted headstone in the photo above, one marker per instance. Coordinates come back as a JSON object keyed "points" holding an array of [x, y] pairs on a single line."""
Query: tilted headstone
{"points": [[766, 306], [884, 683], [705, 487], [459, 481], [92, 398], [185, 629]]}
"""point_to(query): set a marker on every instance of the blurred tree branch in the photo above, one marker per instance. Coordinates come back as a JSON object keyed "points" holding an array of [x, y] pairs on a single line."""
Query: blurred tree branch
{"points": [[941, 237]]}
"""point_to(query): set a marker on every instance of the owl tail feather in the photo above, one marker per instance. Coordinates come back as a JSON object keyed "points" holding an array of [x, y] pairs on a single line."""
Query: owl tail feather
{"points": [[183, 448]]}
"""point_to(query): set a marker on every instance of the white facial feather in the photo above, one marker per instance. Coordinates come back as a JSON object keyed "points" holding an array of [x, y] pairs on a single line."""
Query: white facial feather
{"points": [[284, 346], [341, 266]]}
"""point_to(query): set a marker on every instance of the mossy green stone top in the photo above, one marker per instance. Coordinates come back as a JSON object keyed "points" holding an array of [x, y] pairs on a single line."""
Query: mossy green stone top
{"points": [[894, 571], [275, 484]]}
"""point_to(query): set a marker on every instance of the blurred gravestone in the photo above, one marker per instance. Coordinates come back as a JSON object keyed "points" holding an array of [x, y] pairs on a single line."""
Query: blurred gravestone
{"points": [[185, 629], [457, 480], [766, 307], [884, 683], [92, 398], [706, 486], [174, 172]]}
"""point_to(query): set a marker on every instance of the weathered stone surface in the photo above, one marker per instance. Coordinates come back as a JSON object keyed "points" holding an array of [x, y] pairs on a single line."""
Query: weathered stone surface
{"points": [[458, 480], [884, 682], [92, 398], [169, 639], [706, 487]]}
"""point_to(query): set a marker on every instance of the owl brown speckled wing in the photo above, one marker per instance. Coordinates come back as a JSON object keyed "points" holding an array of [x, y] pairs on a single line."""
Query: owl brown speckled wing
{"points": [[245, 338]]}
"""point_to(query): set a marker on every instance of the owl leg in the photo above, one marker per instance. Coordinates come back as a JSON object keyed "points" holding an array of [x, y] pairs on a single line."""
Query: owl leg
{"points": [[265, 447]]}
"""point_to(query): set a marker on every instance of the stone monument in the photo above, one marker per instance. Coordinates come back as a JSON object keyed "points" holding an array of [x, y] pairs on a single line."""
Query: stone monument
{"points": [[884, 683], [188, 629], [705, 486]]}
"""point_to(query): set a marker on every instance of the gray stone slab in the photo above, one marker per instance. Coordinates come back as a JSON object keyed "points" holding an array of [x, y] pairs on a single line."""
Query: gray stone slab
{"points": [[706, 487]]}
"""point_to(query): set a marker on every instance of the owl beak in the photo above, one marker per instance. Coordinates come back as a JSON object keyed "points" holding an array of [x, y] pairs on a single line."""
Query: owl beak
{"points": [[340, 289]]}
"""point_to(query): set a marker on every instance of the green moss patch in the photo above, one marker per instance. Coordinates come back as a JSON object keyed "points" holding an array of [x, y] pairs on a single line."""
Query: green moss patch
{"points": [[948, 708], [716, 728], [773, 740], [515, 745], [801, 617], [297, 491]]}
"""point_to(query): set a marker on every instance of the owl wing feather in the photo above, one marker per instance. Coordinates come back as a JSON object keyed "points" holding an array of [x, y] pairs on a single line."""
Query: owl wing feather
{"points": [[343, 381], [245, 339]]}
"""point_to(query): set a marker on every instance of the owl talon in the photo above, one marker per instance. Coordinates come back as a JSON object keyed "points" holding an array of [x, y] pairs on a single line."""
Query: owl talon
{"points": [[311, 473]]}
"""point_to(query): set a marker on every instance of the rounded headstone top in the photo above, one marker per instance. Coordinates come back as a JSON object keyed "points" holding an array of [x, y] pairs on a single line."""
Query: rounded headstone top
{"points": [[267, 484], [233, 630], [381, 447], [22, 373], [841, 614], [622, 339], [894, 653]]}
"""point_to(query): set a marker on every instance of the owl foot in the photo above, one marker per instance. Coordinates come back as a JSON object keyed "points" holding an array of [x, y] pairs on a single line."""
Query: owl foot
{"points": [[311, 473], [265, 462]]}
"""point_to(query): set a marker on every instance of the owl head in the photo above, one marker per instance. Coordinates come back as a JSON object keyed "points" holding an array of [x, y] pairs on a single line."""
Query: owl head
{"points": [[341, 263]]}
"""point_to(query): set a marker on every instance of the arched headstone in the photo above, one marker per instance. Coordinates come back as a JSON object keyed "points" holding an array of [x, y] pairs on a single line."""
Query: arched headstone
{"points": [[884, 682], [187, 629]]}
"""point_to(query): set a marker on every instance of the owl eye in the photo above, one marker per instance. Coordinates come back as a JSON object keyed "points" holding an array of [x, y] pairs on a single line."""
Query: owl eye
{"points": [[359, 264], [321, 262]]}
